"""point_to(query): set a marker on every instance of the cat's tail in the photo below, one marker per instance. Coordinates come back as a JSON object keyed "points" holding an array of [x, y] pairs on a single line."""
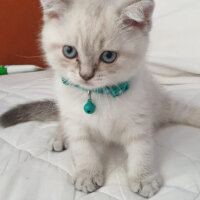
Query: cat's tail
{"points": [[36, 111], [183, 113]]}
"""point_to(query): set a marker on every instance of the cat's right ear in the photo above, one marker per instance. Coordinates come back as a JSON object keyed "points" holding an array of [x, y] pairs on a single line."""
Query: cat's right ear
{"points": [[53, 9]]}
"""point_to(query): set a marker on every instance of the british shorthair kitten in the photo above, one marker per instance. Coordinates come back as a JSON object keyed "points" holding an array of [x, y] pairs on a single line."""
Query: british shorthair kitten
{"points": [[97, 49]]}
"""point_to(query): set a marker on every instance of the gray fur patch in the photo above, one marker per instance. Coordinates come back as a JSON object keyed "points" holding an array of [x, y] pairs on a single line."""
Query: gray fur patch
{"points": [[36, 111]]}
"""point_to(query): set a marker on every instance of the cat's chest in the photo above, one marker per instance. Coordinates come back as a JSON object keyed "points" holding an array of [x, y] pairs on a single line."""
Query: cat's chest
{"points": [[109, 118]]}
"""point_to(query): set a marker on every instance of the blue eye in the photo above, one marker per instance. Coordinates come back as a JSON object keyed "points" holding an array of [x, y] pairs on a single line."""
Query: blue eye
{"points": [[108, 56], [69, 51]]}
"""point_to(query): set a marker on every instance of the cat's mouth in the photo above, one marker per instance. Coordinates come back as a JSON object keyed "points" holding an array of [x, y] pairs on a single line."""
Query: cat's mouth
{"points": [[98, 81], [94, 83], [88, 84]]}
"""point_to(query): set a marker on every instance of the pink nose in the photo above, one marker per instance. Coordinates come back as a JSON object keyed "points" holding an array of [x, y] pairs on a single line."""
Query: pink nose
{"points": [[86, 73], [86, 77]]}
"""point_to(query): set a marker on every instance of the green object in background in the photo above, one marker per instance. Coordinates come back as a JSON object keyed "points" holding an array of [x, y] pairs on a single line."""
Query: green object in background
{"points": [[13, 69], [3, 70]]}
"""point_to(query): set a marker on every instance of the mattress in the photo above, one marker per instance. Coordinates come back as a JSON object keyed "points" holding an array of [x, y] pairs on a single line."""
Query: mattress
{"points": [[30, 170]]}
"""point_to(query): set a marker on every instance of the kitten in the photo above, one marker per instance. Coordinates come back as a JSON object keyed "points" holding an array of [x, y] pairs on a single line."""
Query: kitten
{"points": [[95, 44]]}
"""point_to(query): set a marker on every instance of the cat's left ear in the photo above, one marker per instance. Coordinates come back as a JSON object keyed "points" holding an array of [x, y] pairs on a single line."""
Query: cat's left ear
{"points": [[138, 14], [53, 9]]}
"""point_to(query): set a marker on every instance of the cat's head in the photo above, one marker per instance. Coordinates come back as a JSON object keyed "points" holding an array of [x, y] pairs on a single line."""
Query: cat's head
{"points": [[95, 43]]}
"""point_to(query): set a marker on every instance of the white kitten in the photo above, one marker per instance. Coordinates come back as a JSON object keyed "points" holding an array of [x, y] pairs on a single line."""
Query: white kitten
{"points": [[94, 44], [92, 27]]}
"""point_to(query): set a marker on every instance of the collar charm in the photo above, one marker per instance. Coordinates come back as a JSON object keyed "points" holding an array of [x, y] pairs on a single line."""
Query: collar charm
{"points": [[89, 107], [114, 91]]}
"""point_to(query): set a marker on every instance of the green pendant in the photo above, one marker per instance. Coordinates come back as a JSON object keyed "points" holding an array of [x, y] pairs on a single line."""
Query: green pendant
{"points": [[89, 107]]}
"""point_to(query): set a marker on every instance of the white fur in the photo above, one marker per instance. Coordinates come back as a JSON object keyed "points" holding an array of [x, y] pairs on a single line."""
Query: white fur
{"points": [[93, 26]]}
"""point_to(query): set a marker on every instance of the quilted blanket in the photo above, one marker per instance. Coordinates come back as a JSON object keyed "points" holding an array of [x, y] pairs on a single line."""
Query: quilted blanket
{"points": [[30, 170]]}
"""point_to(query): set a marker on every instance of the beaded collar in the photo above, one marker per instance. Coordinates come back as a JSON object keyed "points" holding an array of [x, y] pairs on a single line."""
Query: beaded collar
{"points": [[114, 91]]}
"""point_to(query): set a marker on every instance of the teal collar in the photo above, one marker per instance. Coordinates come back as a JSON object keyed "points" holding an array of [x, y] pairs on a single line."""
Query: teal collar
{"points": [[114, 91]]}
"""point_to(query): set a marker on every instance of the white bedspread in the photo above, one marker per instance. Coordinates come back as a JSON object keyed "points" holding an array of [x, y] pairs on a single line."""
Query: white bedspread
{"points": [[29, 170]]}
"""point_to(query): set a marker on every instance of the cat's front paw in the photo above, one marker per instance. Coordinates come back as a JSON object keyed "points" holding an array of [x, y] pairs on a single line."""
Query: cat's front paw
{"points": [[87, 181], [146, 187]]}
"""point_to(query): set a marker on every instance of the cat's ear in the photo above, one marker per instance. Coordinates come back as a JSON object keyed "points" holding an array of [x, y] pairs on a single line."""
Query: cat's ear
{"points": [[138, 14], [53, 9]]}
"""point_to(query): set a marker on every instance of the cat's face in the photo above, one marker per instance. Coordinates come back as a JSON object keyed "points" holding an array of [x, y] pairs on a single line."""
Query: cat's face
{"points": [[96, 43]]}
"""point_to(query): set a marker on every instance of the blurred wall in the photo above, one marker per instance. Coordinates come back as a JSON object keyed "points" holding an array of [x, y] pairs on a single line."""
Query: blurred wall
{"points": [[20, 24]]}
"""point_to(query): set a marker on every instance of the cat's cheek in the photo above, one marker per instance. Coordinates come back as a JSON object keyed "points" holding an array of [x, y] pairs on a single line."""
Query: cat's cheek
{"points": [[108, 68]]}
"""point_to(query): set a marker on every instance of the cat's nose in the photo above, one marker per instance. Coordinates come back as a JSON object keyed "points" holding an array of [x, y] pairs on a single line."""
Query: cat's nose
{"points": [[86, 77]]}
